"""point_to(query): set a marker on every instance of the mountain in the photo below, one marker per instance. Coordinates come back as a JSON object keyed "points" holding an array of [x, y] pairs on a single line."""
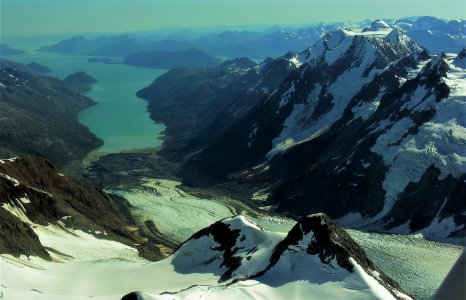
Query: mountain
{"points": [[114, 46], [368, 130], [40, 206], [172, 59], [254, 44], [315, 260], [184, 98], [218, 97], [38, 116], [7, 50], [435, 34], [273, 43], [80, 81], [73, 45]]}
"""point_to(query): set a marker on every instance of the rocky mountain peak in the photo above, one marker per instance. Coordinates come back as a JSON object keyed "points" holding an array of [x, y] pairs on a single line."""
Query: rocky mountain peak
{"points": [[398, 37], [322, 237], [437, 67]]}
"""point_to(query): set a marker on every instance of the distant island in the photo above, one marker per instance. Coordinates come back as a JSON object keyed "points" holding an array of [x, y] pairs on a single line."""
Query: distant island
{"points": [[104, 60], [80, 81]]}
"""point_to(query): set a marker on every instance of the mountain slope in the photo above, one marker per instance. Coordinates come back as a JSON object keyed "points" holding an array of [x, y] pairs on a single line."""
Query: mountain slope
{"points": [[308, 100], [316, 259], [39, 205], [217, 98], [38, 115], [369, 128], [186, 98]]}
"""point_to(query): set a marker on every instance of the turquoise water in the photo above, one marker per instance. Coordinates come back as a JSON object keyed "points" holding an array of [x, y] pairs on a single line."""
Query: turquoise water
{"points": [[120, 118]]}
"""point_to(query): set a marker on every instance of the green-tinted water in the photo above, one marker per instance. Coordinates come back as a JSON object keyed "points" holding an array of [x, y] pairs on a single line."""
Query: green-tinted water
{"points": [[120, 119]]}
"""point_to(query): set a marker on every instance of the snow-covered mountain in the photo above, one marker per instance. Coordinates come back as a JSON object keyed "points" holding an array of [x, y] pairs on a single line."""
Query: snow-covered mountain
{"points": [[315, 260], [369, 129]]}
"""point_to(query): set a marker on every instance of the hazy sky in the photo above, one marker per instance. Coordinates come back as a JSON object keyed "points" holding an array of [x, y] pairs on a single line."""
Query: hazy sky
{"points": [[32, 17]]}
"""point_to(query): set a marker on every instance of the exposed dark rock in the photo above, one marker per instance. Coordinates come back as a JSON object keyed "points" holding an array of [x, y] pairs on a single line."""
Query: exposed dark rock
{"points": [[226, 238], [16, 237], [421, 202], [131, 296]]}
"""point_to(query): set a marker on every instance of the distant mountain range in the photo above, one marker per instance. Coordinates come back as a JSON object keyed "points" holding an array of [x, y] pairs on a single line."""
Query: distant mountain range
{"points": [[435, 34], [364, 126], [172, 59]]}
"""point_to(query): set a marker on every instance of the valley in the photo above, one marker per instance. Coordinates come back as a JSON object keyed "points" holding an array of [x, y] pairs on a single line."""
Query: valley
{"points": [[210, 182]]}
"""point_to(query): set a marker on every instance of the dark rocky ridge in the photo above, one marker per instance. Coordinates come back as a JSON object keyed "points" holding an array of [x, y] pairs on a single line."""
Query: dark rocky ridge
{"points": [[16, 237], [330, 242], [38, 116]]}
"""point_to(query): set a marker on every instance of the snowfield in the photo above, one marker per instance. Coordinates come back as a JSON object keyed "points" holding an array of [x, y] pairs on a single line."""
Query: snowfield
{"points": [[440, 142], [89, 267]]}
